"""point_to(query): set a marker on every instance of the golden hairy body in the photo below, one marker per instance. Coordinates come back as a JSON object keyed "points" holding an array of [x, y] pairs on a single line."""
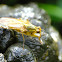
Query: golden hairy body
{"points": [[21, 26]]}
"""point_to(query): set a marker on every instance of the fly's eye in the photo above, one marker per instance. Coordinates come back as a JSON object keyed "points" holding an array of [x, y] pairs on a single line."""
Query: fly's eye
{"points": [[38, 31]]}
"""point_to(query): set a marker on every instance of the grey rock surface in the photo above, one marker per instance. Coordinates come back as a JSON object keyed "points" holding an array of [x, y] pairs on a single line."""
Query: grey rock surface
{"points": [[6, 38], [2, 58], [16, 53], [45, 52]]}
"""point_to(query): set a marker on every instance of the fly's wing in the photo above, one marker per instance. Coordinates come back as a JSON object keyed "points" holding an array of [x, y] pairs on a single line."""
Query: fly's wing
{"points": [[19, 25], [10, 23]]}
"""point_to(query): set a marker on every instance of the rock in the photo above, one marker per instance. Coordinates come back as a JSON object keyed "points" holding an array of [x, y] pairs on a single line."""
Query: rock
{"points": [[47, 50], [16, 53], [2, 58], [57, 39], [6, 39]]}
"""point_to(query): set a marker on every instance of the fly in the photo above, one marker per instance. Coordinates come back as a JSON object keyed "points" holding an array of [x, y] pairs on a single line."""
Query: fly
{"points": [[21, 26]]}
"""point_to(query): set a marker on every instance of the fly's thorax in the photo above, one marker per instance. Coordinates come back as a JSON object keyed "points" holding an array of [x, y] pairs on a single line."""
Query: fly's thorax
{"points": [[30, 27]]}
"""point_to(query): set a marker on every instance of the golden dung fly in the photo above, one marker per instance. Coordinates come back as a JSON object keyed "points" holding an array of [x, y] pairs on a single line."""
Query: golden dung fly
{"points": [[21, 26]]}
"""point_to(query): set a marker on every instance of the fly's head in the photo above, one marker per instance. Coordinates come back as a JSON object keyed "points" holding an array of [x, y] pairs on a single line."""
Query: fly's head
{"points": [[37, 32], [34, 31]]}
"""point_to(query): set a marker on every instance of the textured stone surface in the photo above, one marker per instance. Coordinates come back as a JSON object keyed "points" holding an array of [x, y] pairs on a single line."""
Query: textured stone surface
{"points": [[16, 53], [45, 52], [2, 58], [6, 39]]}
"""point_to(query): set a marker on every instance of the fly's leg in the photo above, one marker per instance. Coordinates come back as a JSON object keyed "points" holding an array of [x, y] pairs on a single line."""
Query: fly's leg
{"points": [[23, 31], [39, 39], [40, 36], [23, 40]]}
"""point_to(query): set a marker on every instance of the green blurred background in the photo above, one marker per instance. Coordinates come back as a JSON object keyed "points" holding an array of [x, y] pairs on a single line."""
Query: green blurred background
{"points": [[53, 8]]}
